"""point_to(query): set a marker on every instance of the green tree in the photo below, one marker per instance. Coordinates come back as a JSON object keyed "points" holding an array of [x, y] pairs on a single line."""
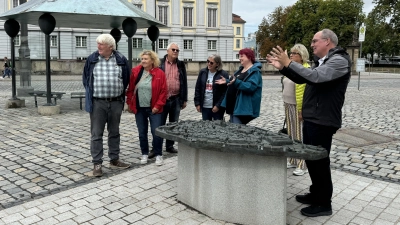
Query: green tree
{"points": [[272, 32]]}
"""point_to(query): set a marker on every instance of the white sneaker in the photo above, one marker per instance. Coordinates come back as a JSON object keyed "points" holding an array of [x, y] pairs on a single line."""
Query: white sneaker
{"points": [[144, 159], [299, 172], [289, 165], [159, 160]]}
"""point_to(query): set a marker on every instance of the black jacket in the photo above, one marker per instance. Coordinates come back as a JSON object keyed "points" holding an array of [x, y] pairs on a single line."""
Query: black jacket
{"points": [[326, 87], [183, 88], [218, 90]]}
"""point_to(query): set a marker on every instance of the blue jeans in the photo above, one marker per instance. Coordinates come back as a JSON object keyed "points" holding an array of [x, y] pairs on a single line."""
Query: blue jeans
{"points": [[143, 116], [208, 114], [105, 112], [7, 72], [320, 172], [235, 119], [172, 109]]}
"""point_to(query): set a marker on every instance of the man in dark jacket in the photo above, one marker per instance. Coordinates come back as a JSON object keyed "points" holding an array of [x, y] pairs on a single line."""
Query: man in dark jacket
{"points": [[322, 110], [105, 78], [177, 95]]}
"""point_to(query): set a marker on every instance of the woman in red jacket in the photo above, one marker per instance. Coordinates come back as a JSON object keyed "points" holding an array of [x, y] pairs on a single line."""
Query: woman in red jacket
{"points": [[146, 97]]}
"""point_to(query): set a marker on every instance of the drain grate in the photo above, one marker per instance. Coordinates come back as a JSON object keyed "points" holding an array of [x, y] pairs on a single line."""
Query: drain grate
{"points": [[355, 137]]}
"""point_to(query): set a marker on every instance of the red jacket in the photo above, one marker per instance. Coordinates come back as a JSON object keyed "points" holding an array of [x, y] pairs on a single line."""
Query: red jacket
{"points": [[158, 89]]}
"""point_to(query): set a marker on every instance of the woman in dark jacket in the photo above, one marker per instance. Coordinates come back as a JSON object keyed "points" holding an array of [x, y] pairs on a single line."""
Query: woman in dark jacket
{"points": [[208, 95]]}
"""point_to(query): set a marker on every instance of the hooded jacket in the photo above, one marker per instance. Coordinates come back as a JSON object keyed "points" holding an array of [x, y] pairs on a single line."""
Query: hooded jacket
{"points": [[218, 90], [248, 101], [324, 94]]}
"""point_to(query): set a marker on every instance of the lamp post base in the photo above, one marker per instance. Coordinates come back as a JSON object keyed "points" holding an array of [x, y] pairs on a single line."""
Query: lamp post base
{"points": [[15, 103], [46, 110]]}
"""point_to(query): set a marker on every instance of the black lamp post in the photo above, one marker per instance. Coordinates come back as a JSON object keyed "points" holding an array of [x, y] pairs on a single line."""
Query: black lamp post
{"points": [[12, 29], [116, 33], [129, 26], [47, 23], [153, 34]]}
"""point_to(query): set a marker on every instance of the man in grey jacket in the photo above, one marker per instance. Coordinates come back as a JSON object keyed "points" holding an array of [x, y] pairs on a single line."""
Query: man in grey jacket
{"points": [[322, 110]]}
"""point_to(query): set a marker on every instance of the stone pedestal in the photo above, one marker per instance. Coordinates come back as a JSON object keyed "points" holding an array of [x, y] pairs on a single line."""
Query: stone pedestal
{"points": [[12, 103], [49, 110], [23, 91], [237, 188]]}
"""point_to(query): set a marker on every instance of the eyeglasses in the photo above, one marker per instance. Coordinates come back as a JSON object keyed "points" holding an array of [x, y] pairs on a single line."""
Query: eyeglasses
{"points": [[316, 40], [175, 50], [211, 63], [294, 53]]}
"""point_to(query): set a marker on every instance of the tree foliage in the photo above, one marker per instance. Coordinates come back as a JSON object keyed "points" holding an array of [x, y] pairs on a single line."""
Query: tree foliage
{"points": [[272, 33], [306, 17]]}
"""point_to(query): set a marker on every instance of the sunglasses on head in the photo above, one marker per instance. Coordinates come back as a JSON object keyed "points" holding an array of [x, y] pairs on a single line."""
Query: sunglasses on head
{"points": [[211, 63], [174, 50]]}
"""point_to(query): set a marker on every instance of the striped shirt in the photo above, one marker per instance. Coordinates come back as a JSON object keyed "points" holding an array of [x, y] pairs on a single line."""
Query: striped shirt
{"points": [[107, 82], [172, 74]]}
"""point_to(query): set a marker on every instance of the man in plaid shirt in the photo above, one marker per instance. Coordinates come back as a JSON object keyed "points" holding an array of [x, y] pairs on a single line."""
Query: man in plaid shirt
{"points": [[105, 78]]}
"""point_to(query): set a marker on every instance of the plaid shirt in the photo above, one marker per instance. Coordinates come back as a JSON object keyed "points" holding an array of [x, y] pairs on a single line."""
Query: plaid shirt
{"points": [[107, 82], [172, 74]]}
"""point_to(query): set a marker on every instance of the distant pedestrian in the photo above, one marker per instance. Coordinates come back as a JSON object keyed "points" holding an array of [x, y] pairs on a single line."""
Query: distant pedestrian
{"points": [[293, 101], [243, 97], [6, 68], [146, 97], [208, 95], [105, 78], [322, 110]]}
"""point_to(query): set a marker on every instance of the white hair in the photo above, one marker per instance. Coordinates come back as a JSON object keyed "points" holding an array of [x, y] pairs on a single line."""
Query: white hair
{"points": [[173, 43], [107, 39]]}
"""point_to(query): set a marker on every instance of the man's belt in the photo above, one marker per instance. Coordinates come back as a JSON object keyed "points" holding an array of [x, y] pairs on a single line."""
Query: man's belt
{"points": [[112, 99]]}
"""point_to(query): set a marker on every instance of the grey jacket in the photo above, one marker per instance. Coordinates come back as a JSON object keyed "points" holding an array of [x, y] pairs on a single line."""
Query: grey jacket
{"points": [[326, 87]]}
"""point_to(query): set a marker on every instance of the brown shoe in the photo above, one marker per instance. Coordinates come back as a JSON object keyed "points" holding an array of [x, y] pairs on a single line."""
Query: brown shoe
{"points": [[119, 164], [97, 172]]}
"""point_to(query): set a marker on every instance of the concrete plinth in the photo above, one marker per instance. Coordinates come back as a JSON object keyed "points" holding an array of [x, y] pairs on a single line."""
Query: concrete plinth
{"points": [[237, 188], [24, 91], [15, 103], [49, 110]]}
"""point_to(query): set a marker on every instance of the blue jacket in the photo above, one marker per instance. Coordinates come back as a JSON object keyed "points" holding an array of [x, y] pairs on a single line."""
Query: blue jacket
{"points": [[248, 101], [87, 77]]}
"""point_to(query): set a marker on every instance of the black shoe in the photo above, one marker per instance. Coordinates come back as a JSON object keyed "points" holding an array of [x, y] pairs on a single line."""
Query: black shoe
{"points": [[151, 154], [316, 210], [171, 150], [305, 199]]}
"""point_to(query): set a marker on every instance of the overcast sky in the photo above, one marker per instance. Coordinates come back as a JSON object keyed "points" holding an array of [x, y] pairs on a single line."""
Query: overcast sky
{"points": [[253, 11]]}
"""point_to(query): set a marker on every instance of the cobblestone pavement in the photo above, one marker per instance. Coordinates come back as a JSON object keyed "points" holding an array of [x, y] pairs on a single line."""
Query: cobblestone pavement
{"points": [[45, 162]]}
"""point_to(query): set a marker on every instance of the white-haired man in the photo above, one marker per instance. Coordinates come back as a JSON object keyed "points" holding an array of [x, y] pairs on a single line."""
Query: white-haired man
{"points": [[323, 100], [105, 78], [177, 95]]}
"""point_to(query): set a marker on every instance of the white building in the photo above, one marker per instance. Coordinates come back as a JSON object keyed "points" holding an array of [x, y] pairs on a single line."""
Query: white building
{"points": [[200, 27]]}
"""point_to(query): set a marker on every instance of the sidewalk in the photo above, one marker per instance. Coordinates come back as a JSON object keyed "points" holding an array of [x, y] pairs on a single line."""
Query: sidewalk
{"points": [[45, 163]]}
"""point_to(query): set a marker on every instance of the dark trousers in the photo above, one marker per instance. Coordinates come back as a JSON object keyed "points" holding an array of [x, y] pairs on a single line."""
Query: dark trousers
{"points": [[208, 114], [105, 112], [320, 172], [143, 116], [172, 109]]}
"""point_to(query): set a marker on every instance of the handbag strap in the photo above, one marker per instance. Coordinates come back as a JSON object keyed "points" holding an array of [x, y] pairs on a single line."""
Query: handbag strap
{"points": [[141, 79]]}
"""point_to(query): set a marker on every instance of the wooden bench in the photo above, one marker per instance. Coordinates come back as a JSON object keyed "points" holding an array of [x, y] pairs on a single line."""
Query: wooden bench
{"points": [[79, 95], [55, 95]]}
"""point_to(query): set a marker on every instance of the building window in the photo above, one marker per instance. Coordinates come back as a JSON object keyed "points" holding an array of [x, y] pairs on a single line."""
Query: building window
{"points": [[237, 43], [162, 14], [17, 40], [81, 58], [138, 5], [15, 3], [237, 30], [81, 41], [237, 56], [53, 41], [162, 43], [187, 60], [188, 44], [137, 42], [212, 17], [53, 57], [212, 45], [188, 17]]}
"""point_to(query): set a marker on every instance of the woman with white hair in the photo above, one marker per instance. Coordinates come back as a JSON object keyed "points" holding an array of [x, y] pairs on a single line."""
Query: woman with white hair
{"points": [[293, 100]]}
